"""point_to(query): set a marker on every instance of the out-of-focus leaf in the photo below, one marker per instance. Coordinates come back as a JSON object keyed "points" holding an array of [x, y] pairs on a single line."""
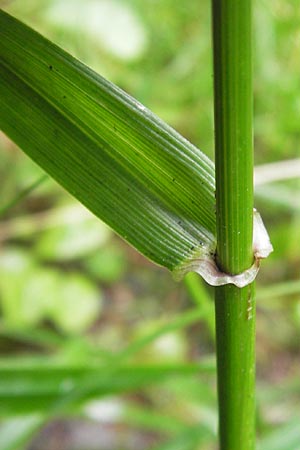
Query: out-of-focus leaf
{"points": [[16, 268], [149, 419], [73, 239], [112, 24], [77, 303], [155, 331], [280, 196], [108, 264], [15, 433], [41, 384], [286, 437], [189, 439], [31, 293], [283, 289]]}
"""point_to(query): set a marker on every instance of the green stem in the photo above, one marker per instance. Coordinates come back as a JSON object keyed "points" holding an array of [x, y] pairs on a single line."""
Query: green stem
{"points": [[235, 308]]}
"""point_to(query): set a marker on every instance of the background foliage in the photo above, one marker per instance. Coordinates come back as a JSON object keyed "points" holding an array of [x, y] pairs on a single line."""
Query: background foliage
{"points": [[78, 304]]}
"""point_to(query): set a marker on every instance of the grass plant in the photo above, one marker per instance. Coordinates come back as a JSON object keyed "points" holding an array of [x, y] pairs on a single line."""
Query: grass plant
{"points": [[68, 346]]}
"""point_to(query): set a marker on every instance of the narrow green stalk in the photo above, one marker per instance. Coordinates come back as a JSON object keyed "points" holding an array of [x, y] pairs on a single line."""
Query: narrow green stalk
{"points": [[197, 292], [235, 308], [20, 196]]}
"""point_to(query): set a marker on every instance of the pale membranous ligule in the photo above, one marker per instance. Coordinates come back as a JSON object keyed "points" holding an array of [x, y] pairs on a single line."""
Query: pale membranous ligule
{"points": [[206, 266]]}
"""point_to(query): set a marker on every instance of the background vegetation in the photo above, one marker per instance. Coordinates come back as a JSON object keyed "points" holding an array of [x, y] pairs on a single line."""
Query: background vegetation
{"points": [[74, 297]]}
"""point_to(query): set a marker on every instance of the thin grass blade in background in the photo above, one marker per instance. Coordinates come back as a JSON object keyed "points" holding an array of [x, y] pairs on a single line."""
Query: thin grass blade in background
{"points": [[40, 385]]}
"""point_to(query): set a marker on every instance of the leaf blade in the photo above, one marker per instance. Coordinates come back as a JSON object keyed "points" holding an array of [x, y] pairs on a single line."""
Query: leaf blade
{"points": [[130, 169]]}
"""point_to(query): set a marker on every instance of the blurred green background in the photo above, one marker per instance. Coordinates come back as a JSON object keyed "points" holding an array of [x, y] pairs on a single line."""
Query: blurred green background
{"points": [[100, 349]]}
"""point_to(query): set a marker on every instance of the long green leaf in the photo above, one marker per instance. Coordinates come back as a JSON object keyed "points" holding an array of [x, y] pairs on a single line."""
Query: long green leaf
{"points": [[128, 167], [41, 384]]}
